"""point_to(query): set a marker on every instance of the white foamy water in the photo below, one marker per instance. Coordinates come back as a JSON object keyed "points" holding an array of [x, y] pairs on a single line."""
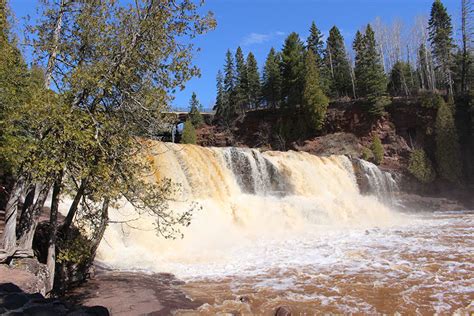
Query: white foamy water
{"points": [[294, 227]]}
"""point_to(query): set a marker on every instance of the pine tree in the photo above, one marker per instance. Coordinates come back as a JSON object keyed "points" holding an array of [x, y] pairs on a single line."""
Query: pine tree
{"points": [[195, 109], [189, 133], [370, 77], [253, 81], [272, 79], [229, 87], [337, 63], [448, 158], [315, 43], [219, 106], [241, 87], [440, 36], [315, 103], [402, 82], [377, 150], [292, 71], [360, 66]]}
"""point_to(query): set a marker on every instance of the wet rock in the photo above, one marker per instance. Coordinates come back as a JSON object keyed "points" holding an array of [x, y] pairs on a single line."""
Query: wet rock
{"points": [[283, 311], [244, 299]]}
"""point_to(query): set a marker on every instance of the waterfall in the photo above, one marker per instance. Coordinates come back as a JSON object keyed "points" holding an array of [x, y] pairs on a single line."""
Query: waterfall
{"points": [[380, 183], [245, 195]]}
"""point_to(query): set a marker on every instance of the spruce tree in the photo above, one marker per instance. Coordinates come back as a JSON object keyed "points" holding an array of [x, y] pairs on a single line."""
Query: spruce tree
{"points": [[229, 87], [370, 77], [315, 43], [195, 109], [292, 71], [315, 103], [440, 36], [272, 79], [253, 81], [241, 87], [219, 106], [402, 79], [338, 65], [189, 133], [448, 158]]}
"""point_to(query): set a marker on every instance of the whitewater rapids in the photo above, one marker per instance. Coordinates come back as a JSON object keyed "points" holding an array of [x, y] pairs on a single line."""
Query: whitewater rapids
{"points": [[290, 228], [247, 198]]}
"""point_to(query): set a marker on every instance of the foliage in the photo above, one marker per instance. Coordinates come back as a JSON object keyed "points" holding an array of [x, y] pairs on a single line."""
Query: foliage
{"points": [[367, 154], [315, 103], [292, 71], [241, 89], [430, 100], [254, 86], [189, 133], [194, 111], [448, 157], [272, 79], [440, 35], [402, 80], [421, 167], [370, 77], [336, 62], [377, 150]]}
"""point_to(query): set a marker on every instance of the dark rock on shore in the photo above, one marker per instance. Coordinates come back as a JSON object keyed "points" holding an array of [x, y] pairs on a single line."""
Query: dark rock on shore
{"points": [[14, 301]]}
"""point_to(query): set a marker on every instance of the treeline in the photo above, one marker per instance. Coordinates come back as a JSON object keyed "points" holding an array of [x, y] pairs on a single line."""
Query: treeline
{"points": [[382, 65], [112, 67], [301, 78]]}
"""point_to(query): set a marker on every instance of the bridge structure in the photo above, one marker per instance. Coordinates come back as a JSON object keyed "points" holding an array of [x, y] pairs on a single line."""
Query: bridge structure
{"points": [[174, 121]]}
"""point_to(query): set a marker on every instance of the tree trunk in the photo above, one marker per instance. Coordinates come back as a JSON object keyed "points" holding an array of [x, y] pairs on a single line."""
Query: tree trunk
{"points": [[11, 213], [51, 259], [29, 221], [73, 209], [54, 51], [101, 230]]}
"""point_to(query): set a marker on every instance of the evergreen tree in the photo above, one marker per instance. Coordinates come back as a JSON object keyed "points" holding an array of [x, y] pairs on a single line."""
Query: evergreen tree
{"points": [[195, 109], [448, 158], [377, 150], [241, 87], [315, 43], [315, 103], [189, 133], [421, 167], [370, 76], [292, 71], [272, 79], [337, 63], [253, 81], [229, 87], [402, 79], [219, 106], [440, 35]]}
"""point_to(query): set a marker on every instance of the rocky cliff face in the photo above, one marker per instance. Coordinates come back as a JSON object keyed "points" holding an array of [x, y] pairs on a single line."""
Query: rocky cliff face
{"points": [[349, 130]]}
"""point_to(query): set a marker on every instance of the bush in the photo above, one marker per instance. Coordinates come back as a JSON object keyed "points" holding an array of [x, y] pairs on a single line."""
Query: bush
{"points": [[377, 150], [366, 154], [431, 100], [377, 105], [189, 133], [421, 167]]}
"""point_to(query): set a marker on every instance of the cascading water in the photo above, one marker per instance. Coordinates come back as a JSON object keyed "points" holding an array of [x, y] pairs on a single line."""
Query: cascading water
{"points": [[380, 183], [290, 228], [245, 196]]}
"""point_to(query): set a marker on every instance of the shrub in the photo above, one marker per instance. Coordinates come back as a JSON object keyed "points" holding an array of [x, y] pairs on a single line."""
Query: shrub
{"points": [[377, 150], [431, 100], [421, 167], [366, 154], [189, 133]]}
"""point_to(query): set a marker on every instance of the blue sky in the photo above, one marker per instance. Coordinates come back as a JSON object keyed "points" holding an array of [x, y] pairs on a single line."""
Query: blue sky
{"points": [[257, 25]]}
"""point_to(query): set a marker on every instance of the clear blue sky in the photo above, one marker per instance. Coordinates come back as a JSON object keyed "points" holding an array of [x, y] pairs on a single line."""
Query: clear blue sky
{"points": [[257, 25]]}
